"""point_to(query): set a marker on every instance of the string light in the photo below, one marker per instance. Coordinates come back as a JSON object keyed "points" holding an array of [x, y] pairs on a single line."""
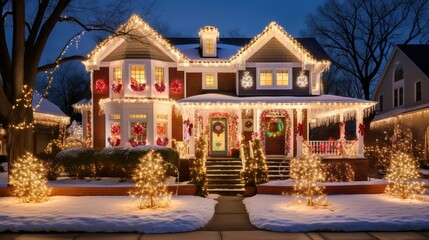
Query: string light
{"points": [[255, 170], [150, 190], [28, 178], [306, 173], [105, 101], [198, 169]]}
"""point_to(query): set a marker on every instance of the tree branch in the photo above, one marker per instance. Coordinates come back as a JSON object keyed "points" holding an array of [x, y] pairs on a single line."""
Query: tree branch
{"points": [[60, 61]]}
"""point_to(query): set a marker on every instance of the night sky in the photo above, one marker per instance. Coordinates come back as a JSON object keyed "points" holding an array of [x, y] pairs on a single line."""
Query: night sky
{"points": [[185, 17]]}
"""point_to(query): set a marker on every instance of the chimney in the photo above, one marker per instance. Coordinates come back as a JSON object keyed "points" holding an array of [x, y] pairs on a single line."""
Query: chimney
{"points": [[208, 41]]}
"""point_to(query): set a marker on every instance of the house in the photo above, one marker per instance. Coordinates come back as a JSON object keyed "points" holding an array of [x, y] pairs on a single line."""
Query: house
{"points": [[402, 94], [150, 90]]}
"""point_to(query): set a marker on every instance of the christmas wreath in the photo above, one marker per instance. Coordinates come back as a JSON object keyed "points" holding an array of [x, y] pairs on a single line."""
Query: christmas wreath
{"points": [[115, 129], [135, 143], [248, 124], [160, 87], [100, 85], [136, 86], [275, 128], [218, 128], [162, 142], [116, 87], [137, 130], [176, 86]]}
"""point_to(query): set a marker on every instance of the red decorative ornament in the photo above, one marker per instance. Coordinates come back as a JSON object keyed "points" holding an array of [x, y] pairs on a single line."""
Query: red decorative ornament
{"points": [[160, 87], [115, 129], [115, 141], [162, 142], [100, 85], [136, 86], [116, 87], [137, 130], [218, 128], [135, 143], [362, 129], [176, 86], [299, 129], [160, 130]]}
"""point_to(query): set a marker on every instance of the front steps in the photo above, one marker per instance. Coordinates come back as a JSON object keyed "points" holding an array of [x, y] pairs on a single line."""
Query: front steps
{"points": [[223, 176], [278, 168]]}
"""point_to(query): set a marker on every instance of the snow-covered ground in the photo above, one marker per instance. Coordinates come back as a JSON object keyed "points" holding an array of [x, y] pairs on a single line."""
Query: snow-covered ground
{"points": [[104, 214], [363, 212], [290, 182]]}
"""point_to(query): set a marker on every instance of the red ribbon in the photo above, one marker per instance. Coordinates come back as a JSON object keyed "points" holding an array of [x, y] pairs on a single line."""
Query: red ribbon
{"points": [[300, 129], [362, 129]]}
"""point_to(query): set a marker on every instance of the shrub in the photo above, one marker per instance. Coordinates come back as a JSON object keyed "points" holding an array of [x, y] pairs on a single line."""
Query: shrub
{"points": [[112, 162], [77, 162], [53, 168]]}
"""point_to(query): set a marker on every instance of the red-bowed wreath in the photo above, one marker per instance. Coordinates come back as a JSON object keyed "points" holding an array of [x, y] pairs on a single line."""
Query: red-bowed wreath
{"points": [[100, 85], [218, 128], [137, 87], [135, 143], [116, 87], [362, 129], [137, 130], [299, 129], [160, 87], [115, 141], [176, 86], [115, 129], [162, 142]]}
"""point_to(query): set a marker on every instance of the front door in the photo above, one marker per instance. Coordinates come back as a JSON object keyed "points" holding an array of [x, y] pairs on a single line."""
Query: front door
{"points": [[275, 136], [218, 137]]}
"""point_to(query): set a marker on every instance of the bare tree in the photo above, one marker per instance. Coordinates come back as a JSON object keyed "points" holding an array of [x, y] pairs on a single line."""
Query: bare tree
{"points": [[25, 28], [235, 32], [359, 34]]}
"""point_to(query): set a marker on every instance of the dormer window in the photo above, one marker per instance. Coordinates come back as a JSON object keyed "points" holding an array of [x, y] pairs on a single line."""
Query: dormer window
{"points": [[208, 41]]}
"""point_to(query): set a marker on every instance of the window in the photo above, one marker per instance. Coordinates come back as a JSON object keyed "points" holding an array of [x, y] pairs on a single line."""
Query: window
{"points": [[159, 75], [209, 46], [399, 73], [209, 81], [137, 74], [266, 78], [282, 77], [117, 74], [138, 129], [418, 91], [161, 129], [380, 103], [398, 97]]}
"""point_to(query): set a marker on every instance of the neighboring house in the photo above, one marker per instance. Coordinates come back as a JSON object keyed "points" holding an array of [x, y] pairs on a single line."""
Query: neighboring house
{"points": [[150, 90], [403, 94]]}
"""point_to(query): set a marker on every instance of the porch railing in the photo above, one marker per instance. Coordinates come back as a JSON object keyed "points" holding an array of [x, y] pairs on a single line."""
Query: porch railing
{"points": [[346, 148]]}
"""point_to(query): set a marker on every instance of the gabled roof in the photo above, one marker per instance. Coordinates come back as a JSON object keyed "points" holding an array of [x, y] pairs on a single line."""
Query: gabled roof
{"points": [[418, 54], [306, 49]]}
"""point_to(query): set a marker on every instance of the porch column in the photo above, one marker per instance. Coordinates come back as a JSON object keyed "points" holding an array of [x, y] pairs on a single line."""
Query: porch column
{"points": [[195, 132], [342, 127], [84, 123], [298, 137], [359, 122]]}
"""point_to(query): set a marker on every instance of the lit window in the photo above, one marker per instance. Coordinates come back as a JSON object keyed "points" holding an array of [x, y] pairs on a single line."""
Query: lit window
{"points": [[282, 77], [209, 46], [138, 132], [418, 91], [117, 74], [210, 80], [380, 103], [136, 116], [161, 129], [159, 75], [399, 73], [137, 74], [266, 78]]}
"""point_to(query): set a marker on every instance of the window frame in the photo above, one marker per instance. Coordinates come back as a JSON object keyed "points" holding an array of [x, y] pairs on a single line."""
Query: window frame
{"points": [[415, 91], [395, 73], [131, 65], [155, 75], [138, 120], [206, 48], [274, 85], [215, 80]]}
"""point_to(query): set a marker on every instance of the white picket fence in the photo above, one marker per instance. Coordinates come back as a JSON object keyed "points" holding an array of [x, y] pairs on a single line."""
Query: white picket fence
{"points": [[347, 148]]}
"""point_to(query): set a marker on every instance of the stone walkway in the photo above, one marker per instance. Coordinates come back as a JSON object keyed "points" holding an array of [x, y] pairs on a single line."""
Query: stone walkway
{"points": [[230, 222]]}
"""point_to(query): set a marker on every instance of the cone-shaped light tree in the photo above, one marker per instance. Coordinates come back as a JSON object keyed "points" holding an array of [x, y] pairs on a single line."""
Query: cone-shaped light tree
{"points": [[198, 170]]}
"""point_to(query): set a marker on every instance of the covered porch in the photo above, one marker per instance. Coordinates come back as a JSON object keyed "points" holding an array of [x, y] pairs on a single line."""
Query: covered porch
{"points": [[282, 122]]}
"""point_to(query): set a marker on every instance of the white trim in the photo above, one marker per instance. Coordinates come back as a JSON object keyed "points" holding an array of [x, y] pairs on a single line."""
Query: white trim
{"points": [[274, 85], [204, 86]]}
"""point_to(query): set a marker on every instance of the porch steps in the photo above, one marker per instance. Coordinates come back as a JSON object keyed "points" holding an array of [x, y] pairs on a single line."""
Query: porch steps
{"points": [[223, 176], [278, 168]]}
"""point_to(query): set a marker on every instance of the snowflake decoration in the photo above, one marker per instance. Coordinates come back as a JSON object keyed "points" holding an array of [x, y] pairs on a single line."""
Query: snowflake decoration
{"points": [[246, 80]]}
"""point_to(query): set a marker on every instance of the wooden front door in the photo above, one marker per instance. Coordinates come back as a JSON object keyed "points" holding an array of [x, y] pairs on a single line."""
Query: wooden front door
{"points": [[275, 136], [218, 137]]}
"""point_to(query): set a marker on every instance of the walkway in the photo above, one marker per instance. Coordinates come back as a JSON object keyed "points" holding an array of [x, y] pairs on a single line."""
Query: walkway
{"points": [[230, 222]]}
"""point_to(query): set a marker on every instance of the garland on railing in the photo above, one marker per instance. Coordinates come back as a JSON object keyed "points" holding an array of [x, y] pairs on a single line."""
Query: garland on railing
{"points": [[264, 128], [136, 86], [116, 87], [162, 142]]}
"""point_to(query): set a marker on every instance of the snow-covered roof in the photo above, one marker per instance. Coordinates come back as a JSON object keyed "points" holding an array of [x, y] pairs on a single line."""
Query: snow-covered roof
{"points": [[224, 51], [398, 111], [46, 106], [220, 98]]}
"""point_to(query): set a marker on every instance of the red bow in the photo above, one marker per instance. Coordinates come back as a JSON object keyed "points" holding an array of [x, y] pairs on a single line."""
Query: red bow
{"points": [[299, 129], [361, 129]]}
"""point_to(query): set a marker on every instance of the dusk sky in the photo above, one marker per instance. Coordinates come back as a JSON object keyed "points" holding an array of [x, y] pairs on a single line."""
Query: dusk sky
{"points": [[186, 17]]}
